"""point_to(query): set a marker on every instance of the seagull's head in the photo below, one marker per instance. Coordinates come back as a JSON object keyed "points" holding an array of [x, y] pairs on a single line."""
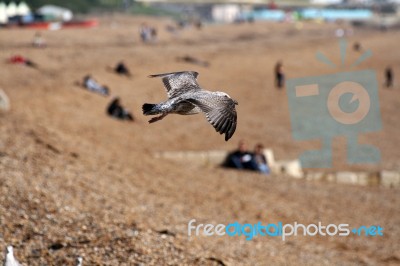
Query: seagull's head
{"points": [[79, 261], [223, 94], [9, 250]]}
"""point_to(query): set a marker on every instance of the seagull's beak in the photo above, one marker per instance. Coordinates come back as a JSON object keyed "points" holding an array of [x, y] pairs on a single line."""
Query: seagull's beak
{"points": [[235, 102]]}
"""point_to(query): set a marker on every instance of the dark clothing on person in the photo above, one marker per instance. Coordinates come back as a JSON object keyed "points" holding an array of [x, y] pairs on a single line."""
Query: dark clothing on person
{"points": [[153, 32], [357, 46], [279, 75], [116, 110], [280, 80], [122, 69], [29, 63], [240, 160], [389, 77]]}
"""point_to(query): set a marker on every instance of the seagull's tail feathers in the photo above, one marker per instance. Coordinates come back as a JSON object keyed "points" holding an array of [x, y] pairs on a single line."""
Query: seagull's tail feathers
{"points": [[150, 109]]}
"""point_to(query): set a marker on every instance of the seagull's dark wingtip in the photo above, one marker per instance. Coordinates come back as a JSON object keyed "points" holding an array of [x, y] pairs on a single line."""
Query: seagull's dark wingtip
{"points": [[230, 131], [227, 136]]}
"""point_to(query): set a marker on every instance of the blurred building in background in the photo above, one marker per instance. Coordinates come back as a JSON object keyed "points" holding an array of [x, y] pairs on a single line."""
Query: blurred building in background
{"points": [[381, 13], [55, 13], [12, 10]]}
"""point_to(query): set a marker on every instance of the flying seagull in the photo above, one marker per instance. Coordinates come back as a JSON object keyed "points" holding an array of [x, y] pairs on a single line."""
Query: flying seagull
{"points": [[185, 97], [10, 260]]}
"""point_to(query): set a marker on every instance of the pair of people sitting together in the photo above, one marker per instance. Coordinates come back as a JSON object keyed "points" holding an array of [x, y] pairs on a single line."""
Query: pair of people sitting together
{"points": [[244, 159]]}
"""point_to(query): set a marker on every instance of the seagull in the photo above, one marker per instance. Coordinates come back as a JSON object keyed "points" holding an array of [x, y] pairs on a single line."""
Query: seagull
{"points": [[186, 97], [10, 260], [79, 261]]}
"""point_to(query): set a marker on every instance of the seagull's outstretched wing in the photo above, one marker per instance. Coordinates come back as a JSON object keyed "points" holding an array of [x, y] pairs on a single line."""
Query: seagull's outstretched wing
{"points": [[177, 83], [219, 110]]}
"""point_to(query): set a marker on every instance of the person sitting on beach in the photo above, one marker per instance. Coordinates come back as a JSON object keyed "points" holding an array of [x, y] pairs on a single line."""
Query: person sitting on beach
{"points": [[38, 41], [92, 85], [122, 69], [240, 158], [260, 160], [115, 109], [18, 59], [153, 34], [357, 46]]}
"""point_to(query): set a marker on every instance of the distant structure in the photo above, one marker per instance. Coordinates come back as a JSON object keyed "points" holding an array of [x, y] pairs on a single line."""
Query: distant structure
{"points": [[226, 13], [3, 13], [326, 2], [238, 11], [11, 10], [206, 1], [57, 12]]}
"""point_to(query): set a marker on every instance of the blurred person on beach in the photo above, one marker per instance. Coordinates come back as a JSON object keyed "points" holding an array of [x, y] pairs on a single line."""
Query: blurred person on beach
{"points": [[116, 110], [260, 160], [388, 77], [240, 158], [122, 69], [279, 75], [38, 41], [147, 33], [19, 59], [92, 85], [198, 24], [144, 32], [357, 46], [153, 34]]}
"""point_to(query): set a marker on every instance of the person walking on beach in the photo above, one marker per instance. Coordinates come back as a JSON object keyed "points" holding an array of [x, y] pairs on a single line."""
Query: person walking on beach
{"points": [[279, 75], [389, 77]]}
